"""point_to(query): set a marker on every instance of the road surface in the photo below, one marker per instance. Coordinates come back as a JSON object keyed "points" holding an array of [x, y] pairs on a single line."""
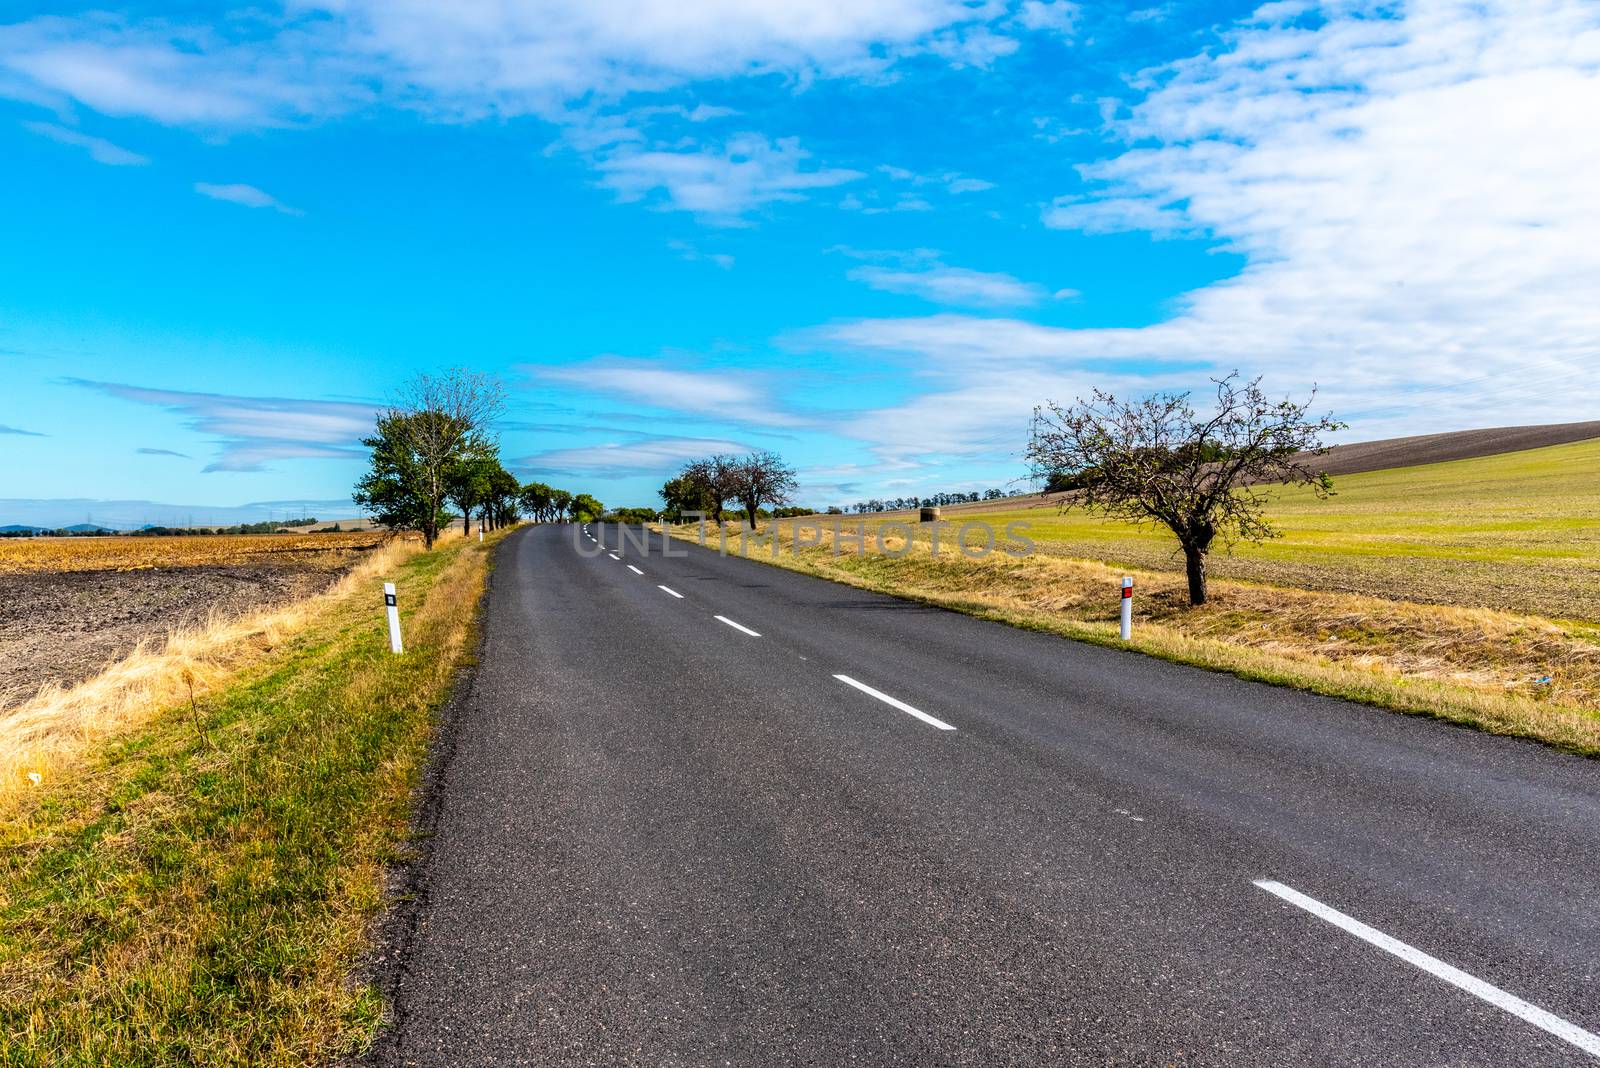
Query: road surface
{"points": [[702, 811]]}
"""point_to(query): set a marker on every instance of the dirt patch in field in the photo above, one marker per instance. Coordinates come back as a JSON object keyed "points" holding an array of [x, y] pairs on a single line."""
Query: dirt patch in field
{"points": [[64, 627], [1455, 445]]}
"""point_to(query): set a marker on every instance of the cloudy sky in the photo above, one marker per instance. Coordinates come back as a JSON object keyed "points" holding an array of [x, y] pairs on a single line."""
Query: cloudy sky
{"points": [[869, 235]]}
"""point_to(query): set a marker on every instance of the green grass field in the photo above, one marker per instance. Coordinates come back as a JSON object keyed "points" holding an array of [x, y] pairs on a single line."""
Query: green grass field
{"points": [[1518, 532]]}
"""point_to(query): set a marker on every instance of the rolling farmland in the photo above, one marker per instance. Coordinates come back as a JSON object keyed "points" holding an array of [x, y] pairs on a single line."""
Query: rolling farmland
{"points": [[1518, 532], [70, 606]]}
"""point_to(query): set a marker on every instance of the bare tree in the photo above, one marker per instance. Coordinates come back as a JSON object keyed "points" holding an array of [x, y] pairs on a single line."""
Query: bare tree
{"points": [[760, 478], [718, 478], [440, 419], [1157, 461]]}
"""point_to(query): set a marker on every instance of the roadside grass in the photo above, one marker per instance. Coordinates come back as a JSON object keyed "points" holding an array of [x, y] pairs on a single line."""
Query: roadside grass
{"points": [[196, 889], [1519, 532], [1505, 672], [45, 731]]}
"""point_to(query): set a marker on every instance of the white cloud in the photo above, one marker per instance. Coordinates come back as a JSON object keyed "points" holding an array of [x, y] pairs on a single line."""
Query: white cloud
{"points": [[1159, 13], [1416, 202], [969, 185], [720, 185], [620, 459], [180, 75], [691, 254], [473, 57], [875, 203], [731, 396], [99, 149], [572, 63], [247, 195], [951, 285], [1060, 16], [256, 430]]}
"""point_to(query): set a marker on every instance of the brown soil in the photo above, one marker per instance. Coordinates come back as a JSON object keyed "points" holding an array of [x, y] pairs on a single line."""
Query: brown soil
{"points": [[63, 627], [1457, 445]]}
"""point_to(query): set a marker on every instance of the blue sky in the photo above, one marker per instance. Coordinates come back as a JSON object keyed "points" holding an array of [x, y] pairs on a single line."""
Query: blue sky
{"points": [[869, 236]]}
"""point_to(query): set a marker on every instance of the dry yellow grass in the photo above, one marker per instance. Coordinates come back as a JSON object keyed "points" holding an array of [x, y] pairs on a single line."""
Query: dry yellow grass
{"points": [[1502, 671], [29, 555], [40, 734]]}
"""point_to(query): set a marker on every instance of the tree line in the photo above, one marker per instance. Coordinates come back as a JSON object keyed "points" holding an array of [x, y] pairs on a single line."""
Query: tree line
{"points": [[152, 530], [900, 504], [706, 486], [434, 448], [280, 527]]}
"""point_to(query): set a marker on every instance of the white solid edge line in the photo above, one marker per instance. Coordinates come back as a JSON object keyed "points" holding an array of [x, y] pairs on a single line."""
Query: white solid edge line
{"points": [[901, 705], [635, 570], [672, 591], [1546, 1021], [738, 626]]}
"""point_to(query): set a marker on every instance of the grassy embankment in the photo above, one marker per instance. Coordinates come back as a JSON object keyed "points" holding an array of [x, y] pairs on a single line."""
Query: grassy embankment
{"points": [[1469, 591], [196, 888]]}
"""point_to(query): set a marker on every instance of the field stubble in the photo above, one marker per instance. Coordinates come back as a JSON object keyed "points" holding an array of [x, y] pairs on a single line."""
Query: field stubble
{"points": [[1467, 590], [70, 607], [96, 632], [1518, 532]]}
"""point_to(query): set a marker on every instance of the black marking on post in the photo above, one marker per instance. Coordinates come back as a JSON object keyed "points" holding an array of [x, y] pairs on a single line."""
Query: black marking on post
{"points": [[389, 600]]}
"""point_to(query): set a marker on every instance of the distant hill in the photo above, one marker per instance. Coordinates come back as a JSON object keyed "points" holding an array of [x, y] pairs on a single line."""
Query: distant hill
{"points": [[18, 528], [84, 528], [54, 513], [1456, 445], [1382, 455]]}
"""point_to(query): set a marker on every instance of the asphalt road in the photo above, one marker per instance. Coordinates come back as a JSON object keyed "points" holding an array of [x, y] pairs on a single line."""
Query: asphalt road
{"points": [[665, 840]]}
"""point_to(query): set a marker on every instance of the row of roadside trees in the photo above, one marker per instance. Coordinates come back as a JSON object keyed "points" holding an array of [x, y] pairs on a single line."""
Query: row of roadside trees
{"points": [[434, 449], [1151, 460], [707, 486]]}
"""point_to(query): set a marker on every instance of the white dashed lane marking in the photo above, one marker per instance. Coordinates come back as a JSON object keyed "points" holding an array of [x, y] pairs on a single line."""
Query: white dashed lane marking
{"points": [[894, 703], [1563, 1030]]}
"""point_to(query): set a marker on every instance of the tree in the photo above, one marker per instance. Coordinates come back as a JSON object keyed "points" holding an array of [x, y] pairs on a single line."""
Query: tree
{"points": [[436, 422], [536, 500], [561, 503], [585, 509], [394, 489], [1157, 461], [467, 484], [501, 497], [686, 493], [760, 478], [717, 476]]}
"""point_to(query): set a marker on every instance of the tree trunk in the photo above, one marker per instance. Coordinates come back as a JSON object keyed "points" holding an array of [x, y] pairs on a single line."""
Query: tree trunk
{"points": [[750, 509], [466, 522], [1195, 562]]}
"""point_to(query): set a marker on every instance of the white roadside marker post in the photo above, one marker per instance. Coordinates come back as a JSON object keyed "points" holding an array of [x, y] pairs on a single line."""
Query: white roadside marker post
{"points": [[393, 606], [1127, 607]]}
